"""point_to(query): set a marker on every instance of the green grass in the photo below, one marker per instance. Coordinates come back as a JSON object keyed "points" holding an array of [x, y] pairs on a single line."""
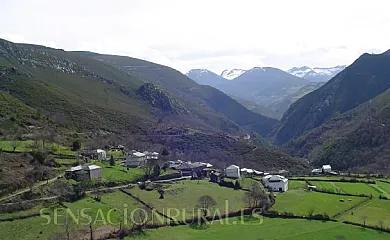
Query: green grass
{"points": [[65, 160], [346, 187], [25, 146], [300, 202], [115, 154], [31, 228], [270, 229], [183, 195], [120, 174], [374, 210], [296, 184]]}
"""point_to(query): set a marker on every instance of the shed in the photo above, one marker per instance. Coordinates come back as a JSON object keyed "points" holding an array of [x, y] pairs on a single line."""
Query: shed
{"points": [[233, 171]]}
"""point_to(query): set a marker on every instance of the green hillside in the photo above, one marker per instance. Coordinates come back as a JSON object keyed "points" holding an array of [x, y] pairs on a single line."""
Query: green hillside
{"points": [[358, 139], [366, 78]]}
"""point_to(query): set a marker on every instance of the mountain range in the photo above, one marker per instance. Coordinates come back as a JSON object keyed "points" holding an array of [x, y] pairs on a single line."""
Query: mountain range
{"points": [[316, 74], [343, 122]]}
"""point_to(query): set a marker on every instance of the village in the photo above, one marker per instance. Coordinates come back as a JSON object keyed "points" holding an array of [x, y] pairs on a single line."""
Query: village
{"points": [[181, 169], [113, 177]]}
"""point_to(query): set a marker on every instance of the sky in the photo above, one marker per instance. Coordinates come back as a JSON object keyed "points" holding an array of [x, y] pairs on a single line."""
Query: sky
{"points": [[210, 34]]}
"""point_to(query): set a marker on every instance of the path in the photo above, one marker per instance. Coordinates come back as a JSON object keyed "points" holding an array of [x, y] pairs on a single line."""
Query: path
{"points": [[28, 189]]}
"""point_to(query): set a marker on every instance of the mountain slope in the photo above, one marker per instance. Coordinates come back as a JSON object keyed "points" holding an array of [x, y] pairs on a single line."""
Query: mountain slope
{"points": [[366, 78], [280, 107], [203, 101], [263, 86], [357, 140], [205, 77], [71, 90], [316, 74]]}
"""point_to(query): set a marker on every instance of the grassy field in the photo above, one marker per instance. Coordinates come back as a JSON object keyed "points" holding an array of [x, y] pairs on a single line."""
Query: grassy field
{"points": [[183, 195], [374, 211], [346, 187], [270, 229], [35, 227], [25, 146], [296, 185], [300, 202], [118, 173]]}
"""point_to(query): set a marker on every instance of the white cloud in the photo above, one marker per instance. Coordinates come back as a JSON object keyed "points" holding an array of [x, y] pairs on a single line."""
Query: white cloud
{"points": [[215, 34]]}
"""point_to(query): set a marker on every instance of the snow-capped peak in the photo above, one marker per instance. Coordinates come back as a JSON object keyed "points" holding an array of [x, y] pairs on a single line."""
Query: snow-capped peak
{"points": [[231, 74], [199, 72], [316, 72]]}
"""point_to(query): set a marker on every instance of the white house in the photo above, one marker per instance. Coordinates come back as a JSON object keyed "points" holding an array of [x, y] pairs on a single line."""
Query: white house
{"points": [[233, 171], [326, 169], [276, 182], [95, 172], [101, 154]]}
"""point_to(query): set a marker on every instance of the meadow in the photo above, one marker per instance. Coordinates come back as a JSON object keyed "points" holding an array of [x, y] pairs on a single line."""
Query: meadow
{"points": [[184, 195], [300, 202], [373, 212], [269, 229]]}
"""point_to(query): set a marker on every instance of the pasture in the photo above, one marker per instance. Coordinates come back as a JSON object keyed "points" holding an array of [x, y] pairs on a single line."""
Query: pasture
{"points": [[373, 212], [269, 229], [183, 196], [300, 202]]}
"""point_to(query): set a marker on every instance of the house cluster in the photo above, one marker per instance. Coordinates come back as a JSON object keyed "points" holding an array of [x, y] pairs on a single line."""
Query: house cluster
{"points": [[274, 182], [193, 169], [84, 173], [138, 159], [234, 171], [325, 169]]}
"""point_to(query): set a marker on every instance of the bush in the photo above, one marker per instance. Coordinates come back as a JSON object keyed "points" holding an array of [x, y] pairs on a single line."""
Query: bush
{"points": [[76, 145], [237, 185], [228, 184], [142, 186]]}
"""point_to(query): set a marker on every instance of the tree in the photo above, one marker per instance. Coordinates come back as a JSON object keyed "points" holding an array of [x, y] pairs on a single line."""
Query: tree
{"points": [[76, 145], [156, 170], [256, 197], [237, 185], [205, 204], [140, 217], [112, 161], [381, 224], [15, 144], [364, 219], [310, 212]]}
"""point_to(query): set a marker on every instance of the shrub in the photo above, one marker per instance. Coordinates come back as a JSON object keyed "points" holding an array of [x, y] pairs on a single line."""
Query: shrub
{"points": [[142, 186]]}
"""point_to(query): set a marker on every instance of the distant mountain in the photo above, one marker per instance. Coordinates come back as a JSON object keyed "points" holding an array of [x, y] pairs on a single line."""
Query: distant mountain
{"points": [[206, 104], [231, 74], [282, 106], [258, 108], [356, 140], [264, 86], [205, 77], [316, 74], [366, 78]]}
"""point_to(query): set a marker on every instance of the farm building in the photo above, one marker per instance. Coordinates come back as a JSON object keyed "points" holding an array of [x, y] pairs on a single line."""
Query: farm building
{"points": [[135, 159], [276, 182], [192, 169], [83, 173], [326, 169], [101, 154], [233, 171]]}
